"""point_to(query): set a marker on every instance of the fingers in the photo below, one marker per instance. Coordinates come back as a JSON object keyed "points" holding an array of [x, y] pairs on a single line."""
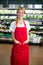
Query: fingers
{"points": [[25, 42], [17, 42]]}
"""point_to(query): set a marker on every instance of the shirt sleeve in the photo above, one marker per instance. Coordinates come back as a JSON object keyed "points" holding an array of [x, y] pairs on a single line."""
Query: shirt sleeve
{"points": [[12, 27], [27, 25]]}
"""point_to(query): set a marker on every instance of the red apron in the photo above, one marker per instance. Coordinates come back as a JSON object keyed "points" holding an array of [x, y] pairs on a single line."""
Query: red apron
{"points": [[20, 53]]}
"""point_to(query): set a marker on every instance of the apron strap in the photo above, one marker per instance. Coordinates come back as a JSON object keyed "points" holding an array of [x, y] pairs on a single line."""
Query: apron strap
{"points": [[23, 22]]}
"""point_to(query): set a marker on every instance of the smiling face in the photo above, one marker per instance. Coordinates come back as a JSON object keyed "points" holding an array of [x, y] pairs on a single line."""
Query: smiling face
{"points": [[20, 13]]}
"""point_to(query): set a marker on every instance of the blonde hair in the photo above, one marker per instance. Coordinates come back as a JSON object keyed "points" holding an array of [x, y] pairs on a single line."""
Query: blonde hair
{"points": [[21, 8]]}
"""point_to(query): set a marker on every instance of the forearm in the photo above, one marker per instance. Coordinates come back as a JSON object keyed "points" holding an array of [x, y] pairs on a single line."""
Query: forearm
{"points": [[26, 41], [13, 36], [27, 38]]}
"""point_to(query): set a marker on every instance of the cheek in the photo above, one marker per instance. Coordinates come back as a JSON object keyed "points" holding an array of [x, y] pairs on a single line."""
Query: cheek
{"points": [[21, 15]]}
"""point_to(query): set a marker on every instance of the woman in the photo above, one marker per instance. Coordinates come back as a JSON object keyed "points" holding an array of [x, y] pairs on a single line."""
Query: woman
{"points": [[20, 34]]}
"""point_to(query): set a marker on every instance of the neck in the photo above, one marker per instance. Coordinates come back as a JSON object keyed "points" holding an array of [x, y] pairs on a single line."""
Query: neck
{"points": [[20, 20]]}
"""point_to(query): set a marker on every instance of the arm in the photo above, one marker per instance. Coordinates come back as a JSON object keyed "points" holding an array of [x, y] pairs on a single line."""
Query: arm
{"points": [[16, 41], [28, 29], [27, 38]]}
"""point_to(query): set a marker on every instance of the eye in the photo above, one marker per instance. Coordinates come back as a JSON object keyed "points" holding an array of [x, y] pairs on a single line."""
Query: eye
{"points": [[21, 12]]}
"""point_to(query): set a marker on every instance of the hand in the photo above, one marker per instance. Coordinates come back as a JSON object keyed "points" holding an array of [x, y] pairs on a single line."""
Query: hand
{"points": [[25, 42], [17, 42]]}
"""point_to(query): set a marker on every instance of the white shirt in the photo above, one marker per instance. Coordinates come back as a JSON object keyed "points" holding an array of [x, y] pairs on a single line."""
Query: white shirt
{"points": [[12, 25]]}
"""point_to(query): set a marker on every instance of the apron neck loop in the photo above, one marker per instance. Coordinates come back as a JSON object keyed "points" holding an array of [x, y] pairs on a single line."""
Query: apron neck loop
{"points": [[23, 22]]}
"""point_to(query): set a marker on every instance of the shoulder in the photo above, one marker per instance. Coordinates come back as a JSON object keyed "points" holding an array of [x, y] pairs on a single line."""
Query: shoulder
{"points": [[27, 25], [26, 22], [12, 26], [13, 23]]}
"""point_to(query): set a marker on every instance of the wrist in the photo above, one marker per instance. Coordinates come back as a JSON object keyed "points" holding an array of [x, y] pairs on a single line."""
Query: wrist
{"points": [[26, 41]]}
